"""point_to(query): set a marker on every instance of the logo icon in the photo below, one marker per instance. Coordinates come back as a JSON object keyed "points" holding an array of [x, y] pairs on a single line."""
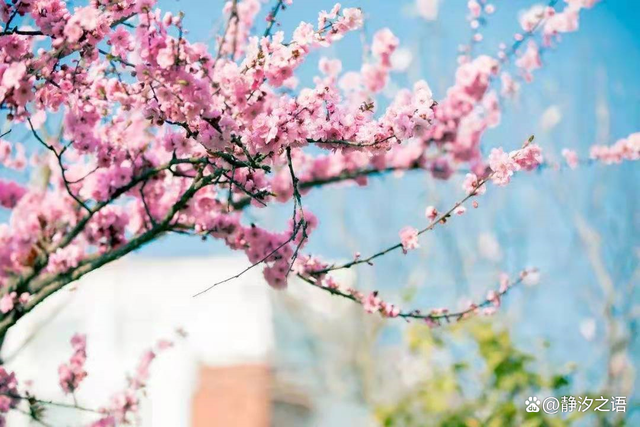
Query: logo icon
{"points": [[550, 405], [532, 404]]}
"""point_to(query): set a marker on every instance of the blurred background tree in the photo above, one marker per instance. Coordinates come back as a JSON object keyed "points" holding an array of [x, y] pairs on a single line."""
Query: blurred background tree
{"points": [[479, 377]]}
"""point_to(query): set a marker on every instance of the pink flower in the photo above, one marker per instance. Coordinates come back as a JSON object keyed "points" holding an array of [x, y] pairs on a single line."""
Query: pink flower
{"points": [[624, 149], [571, 157], [471, 185], [120, 41], [530, 277], [7, 302], [494, 298], [374, 77], [502, 166], [505, 282], [383, 45], [530, 60], [73, 31], [24, 299], [13, 75], [8, 388], [431, 213], [330, 67], [165, 57], [352, 18], [304, 34], [371, 303], [474, 8], [10, 193], [72, 373], [389, 310], [409, 239], [23, 93], [529, 157]]}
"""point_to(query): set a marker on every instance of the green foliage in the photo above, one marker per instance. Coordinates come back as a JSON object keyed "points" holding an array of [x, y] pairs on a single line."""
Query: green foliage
{"points": [[477, 377]]}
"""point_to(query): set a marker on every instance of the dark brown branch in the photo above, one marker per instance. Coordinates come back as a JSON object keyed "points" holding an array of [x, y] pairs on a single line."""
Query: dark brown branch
{"points": [[62, 169], [46, 285]]}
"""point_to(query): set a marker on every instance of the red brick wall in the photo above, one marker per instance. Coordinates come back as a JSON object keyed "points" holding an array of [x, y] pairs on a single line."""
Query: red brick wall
{"points": [[233, 396]]}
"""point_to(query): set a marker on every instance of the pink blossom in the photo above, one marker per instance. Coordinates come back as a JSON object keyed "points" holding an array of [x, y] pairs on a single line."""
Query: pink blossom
{"points": [[472, 185], [73, 31], [409, 239], [431, 213], [12, 76], [24, 299], [529, 157], [126, 403], [494, 298], [384, 44], [474, 8], [353, 18], [571, 157], [165, 57], [330, 67], [624, 149], [121, 42], [304, 34], [504, 282], [10, 193], [7, 302], [374, 77], [371, 303], [530, 60], [72, 373], [8, 388], [502, 165], [530, 277], [460, 210]]}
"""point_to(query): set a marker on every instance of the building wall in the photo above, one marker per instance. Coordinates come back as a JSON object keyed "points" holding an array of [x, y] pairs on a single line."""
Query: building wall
{"points": [[220, 371]]}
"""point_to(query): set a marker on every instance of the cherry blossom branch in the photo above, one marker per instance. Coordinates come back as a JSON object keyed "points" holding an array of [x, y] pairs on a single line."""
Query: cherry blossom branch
{"points": [[62, 169], [528, 34], [298, 226], [435, 315], [441, 219], [477, 189], [69, 237], [345, 176], [21, 32], [233, 16], [46, 285], [272, 17], [32, 400], [255, 264], [297, 204]]}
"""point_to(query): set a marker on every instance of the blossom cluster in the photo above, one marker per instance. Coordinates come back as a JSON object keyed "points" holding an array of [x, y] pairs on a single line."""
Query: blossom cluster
{"points": [[124, 405], [9, 397], [313, 270], [71, 374], [624, 149], [160, 135]]}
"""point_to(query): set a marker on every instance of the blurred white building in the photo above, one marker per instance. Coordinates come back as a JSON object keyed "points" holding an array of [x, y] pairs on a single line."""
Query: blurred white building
{"points": [[224, 372], [126, 308]]}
